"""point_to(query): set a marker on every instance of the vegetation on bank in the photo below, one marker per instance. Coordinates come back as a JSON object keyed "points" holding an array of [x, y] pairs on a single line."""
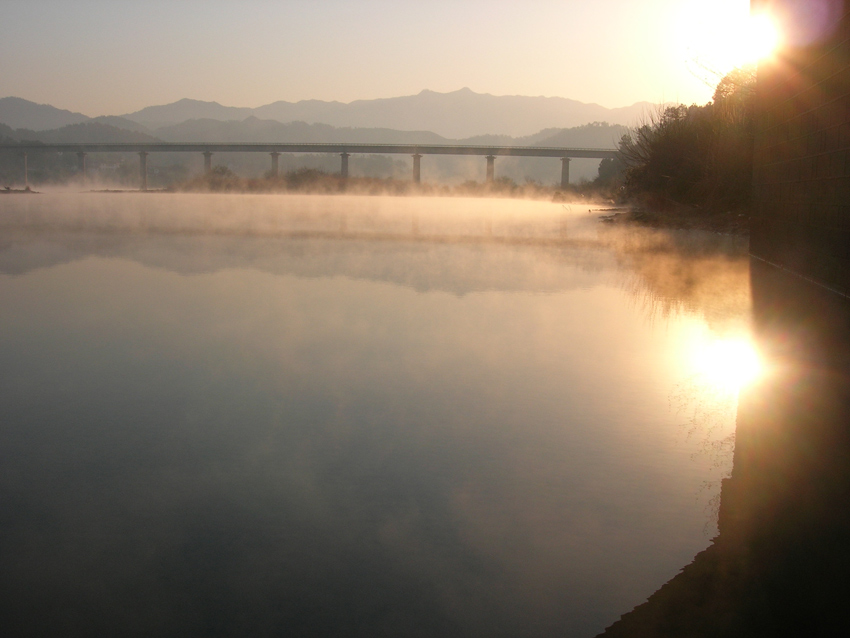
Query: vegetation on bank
{"points": [[690, 165]]}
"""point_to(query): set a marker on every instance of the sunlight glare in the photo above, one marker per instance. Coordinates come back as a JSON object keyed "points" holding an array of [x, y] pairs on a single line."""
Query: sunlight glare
{"points": [[723, 36], [729, 363], [761, 38]]}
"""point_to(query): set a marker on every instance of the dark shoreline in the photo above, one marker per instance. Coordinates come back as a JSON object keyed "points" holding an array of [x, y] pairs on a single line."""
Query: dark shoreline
{"points": [[729, 222]]}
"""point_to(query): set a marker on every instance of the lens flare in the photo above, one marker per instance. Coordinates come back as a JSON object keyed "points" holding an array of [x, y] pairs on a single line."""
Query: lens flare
{"points": [[728, 363]]}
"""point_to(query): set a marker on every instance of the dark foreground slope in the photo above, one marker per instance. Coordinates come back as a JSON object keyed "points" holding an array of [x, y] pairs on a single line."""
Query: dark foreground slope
{"points": [[781, 561]]}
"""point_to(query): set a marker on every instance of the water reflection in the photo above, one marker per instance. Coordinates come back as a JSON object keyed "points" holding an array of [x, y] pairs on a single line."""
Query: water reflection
{"points": [[268, 434], [697, 272], [727, 363], [779, 564]]}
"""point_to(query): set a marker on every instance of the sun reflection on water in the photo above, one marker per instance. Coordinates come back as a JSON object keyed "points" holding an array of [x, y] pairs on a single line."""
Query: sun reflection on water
{"points": [[728, 364]]}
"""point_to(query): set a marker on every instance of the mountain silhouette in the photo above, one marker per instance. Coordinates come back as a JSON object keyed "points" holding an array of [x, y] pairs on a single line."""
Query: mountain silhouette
{"points": [[458, 114]]}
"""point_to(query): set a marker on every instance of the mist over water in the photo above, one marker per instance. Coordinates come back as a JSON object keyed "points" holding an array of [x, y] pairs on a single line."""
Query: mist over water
{"points": [[287, 415]]}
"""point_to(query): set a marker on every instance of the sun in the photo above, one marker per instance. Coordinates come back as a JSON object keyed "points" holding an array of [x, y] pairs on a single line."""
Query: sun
{"points": [[723, 35], [760, 38]]}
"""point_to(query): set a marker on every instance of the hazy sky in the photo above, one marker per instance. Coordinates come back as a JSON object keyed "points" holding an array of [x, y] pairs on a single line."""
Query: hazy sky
{"points": [[105, 57]]}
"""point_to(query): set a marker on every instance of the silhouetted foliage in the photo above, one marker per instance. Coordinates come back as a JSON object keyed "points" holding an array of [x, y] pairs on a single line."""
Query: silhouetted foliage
{"points": [[695, 155], [612, 171]]}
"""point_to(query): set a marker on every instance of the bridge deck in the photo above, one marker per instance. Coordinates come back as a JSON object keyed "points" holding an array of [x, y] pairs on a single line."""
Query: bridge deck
{"points": [[371, 149]]}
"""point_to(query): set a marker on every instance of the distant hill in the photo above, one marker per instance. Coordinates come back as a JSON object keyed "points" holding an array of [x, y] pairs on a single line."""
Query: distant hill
{"points": [[459, 114], [7, 134], [91, 132], [154, 117], [594, 135], [120, 122], [252, 129], [18, 113]]}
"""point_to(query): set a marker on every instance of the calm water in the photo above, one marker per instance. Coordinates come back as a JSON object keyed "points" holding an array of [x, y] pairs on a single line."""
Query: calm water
{"points": [[261, 416]]}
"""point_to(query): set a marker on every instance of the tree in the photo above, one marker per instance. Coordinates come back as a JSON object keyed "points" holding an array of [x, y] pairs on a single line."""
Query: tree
{"points": [[696, 155]]}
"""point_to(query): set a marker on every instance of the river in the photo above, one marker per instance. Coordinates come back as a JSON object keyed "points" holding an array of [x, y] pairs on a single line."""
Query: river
{"points": [[356, 416]]}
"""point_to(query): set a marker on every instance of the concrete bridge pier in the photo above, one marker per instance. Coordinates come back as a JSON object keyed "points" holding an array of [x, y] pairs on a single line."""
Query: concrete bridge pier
{"points": [[491, 168], [143, 170], [26, 172], [417, 170], [565, 172], [207, 162], [275, 164], [343, 171], [81, 164]]}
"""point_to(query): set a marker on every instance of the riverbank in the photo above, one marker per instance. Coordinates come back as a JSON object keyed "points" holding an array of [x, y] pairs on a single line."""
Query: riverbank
{"points": [[17, 191], [683, 218]]}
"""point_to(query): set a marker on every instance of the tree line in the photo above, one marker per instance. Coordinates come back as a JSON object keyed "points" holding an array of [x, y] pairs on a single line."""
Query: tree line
{"points": [[694, 156]]}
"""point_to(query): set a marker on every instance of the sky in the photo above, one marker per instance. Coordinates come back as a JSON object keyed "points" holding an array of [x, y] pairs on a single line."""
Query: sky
{"points": [[111, 57]]}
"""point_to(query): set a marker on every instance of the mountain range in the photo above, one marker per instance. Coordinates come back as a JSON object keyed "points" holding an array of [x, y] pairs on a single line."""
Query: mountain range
{"points": [[455, 115]]}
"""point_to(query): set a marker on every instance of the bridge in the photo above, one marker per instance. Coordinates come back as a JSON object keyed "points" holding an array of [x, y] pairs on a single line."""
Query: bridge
{"points": [[416, 151]]}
